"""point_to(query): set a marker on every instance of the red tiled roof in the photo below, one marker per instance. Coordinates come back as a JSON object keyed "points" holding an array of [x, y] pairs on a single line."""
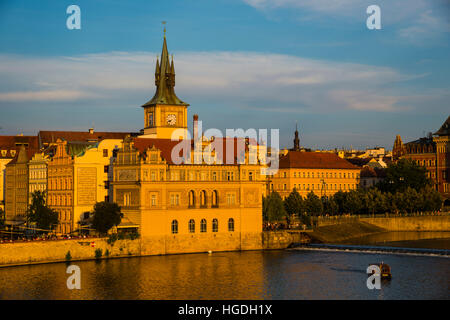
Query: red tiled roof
{"points": [[314, 160], [166, 146], [369, 172], [79, 136], [13, 143]]}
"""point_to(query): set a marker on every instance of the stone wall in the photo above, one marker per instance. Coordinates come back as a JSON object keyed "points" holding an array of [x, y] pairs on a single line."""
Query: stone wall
{"points": [[419, 223], [55, 251]]}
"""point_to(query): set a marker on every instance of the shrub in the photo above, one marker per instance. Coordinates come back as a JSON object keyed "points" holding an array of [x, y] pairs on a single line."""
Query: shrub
{"points": [[98, 253], [68, 256], [107, 253]]}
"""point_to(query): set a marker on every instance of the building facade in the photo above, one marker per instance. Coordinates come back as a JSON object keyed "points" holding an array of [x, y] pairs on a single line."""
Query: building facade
{"points": [[319, 172], [432, 152], [195, 204], [16, 186], [442, 140], [37, 175]]}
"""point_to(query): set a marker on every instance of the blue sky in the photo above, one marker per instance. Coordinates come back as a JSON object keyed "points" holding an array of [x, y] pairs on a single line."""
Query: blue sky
{"points": [[239, 64]]}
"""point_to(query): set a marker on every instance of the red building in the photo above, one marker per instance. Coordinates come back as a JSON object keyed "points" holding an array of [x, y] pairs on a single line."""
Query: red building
{"points": [[432, 152]]}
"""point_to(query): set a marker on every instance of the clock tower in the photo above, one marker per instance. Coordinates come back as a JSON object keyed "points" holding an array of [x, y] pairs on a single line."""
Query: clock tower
{"points": [[165, 112]]}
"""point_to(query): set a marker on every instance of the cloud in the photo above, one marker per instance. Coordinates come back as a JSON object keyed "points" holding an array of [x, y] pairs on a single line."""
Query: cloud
{"points": [[253, 80], [414, 20], [428, 25], [49, 95]]}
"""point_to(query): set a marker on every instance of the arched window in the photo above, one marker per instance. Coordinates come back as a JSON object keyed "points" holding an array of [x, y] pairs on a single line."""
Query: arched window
{"points": [[203, 199], [191, 226], [174, 226], [191, 199], [215, 225], [203, 225], [231, 224], [215, 199]]}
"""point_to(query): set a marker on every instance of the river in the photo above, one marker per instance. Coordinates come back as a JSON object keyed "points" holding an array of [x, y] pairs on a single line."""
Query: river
{"points": [[280, 274]]}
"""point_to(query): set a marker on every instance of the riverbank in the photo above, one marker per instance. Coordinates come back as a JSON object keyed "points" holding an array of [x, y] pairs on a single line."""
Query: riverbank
{"points": [[340, 232], [37, 252]]}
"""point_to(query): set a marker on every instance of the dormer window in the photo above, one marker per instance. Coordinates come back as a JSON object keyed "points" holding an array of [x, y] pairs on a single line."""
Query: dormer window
{"points": [[4, 153], [13, 153]]}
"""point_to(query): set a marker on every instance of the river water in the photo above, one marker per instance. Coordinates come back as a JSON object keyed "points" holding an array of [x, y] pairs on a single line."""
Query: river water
{"points": [[280, 274]]}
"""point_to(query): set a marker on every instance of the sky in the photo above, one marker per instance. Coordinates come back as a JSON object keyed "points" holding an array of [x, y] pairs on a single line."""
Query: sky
{"points": [[263, 64]]}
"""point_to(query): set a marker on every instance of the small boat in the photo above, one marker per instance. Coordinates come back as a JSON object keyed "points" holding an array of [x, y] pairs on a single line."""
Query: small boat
{"points": [[385, 270]]}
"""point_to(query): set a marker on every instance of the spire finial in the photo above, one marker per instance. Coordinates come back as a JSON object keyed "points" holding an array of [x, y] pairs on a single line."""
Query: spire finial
{"points": [[164, 24]]}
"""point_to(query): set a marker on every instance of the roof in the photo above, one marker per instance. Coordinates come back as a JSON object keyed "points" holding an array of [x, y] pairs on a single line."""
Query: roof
{"points": [[360, 162], [166, 146], [165, 81], [369, 172], [10, 143], [314, 160], [444, 130], [23, 155], [46, 137]]}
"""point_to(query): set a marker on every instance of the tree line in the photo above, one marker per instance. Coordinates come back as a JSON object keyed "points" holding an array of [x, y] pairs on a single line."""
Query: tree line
{"points": [[406, 189]]}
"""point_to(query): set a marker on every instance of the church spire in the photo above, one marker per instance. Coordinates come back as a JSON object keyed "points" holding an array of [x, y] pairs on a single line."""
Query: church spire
{"points": [[165, 81], [296, 139]]}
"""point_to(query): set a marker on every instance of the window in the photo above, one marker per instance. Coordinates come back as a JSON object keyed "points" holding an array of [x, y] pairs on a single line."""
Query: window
{"points": [[230, 176], [105, 153], [284, 187], [106, 168], [153, 176], [215, 225], [203, 199], [153, 201], [191, 226], [231, 198], [203, 225], [107, 184], [191, 199], [284, 174], [231, 224], [215, 198], [127, 198], [174, 226], [174, 199], [250, 176], [150, 119], [214, 176]]}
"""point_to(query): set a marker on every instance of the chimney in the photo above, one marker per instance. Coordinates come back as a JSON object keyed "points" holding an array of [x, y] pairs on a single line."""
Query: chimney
{"points": [[195, 133]]}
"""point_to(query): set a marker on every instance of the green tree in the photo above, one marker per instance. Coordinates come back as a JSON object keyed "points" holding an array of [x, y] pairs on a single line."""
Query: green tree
{"points": [[106, 215], [431, 199], [293, 205], [340, 198], [402, 175], [353, 202], [274, 208], [44, 217], [313, 204]]}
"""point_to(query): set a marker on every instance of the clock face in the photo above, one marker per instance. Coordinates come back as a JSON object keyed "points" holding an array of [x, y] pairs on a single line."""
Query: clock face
{"points": [[171, 119]]}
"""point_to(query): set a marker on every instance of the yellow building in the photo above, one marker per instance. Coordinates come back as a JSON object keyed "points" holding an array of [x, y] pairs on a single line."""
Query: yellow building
{"points": [[194, 205], [9, 147], [16, 186], [319, 172], [78, 177], [37, 174]]}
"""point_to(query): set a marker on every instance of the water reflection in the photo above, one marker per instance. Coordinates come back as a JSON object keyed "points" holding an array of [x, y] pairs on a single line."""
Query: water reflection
{"points": [[288, 274]]}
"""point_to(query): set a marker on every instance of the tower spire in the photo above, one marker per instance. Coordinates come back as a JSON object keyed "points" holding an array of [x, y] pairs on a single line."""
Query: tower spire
{"points": [[165, 79], [296, 139]]}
